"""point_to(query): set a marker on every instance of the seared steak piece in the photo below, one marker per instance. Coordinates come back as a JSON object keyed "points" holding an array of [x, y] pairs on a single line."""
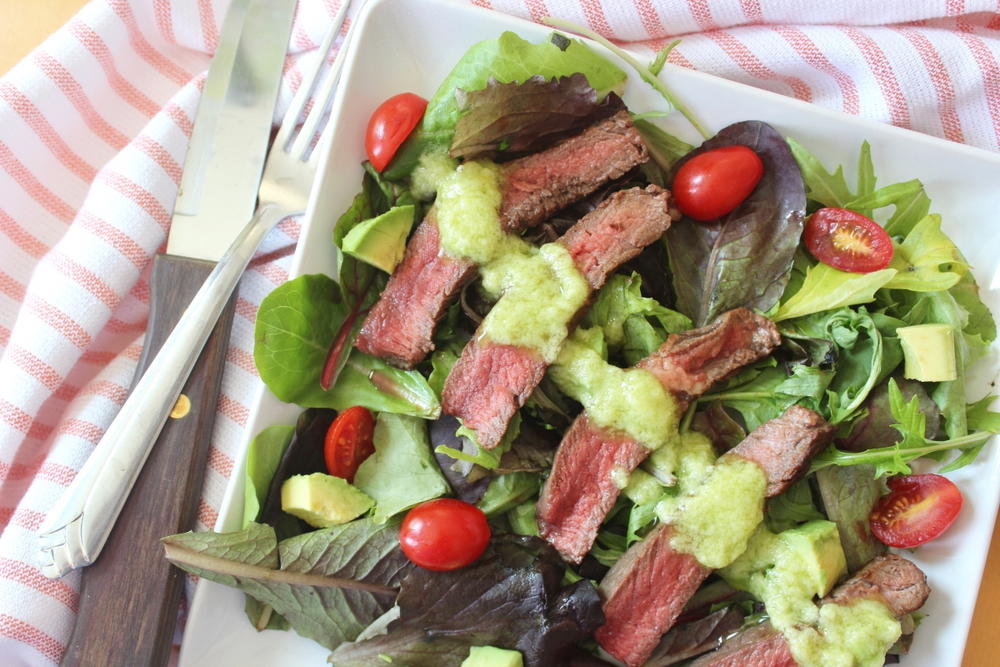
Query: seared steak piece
{"points": [[639, 605], [690, 362], [579, 492], [400, 325], [890, 578], [491, 381], [780, 446]]}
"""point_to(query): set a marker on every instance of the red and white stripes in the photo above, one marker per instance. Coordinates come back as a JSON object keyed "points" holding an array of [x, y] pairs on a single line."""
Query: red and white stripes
{"points": [[93, 129]]}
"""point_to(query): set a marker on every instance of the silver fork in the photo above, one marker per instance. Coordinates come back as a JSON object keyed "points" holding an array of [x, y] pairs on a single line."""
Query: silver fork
{"points": [[78, 526]]}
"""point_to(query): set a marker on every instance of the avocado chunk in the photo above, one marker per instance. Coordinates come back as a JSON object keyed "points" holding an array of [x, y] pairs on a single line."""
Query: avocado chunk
{"points": [[381, 240], [491, 656], [789, 569], [929, 352], [323, 500]]}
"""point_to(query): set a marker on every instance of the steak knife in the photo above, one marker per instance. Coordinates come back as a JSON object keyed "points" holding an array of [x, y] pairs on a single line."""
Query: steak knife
{"points": [[130, 595]]}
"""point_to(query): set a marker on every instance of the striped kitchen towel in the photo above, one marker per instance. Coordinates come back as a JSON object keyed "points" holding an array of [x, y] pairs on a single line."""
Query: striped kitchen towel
{"points": [[93, 129]]}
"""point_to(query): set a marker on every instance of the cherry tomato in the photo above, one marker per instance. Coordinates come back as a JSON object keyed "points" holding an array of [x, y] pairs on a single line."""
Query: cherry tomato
{"points": [[444, 534], [390, 125], [349, 442], [713, 183], [917, 509], [847, 240]]}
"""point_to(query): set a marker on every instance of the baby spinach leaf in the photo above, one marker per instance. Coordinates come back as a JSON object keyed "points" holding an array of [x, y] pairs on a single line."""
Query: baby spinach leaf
{"points": [[827, 288], [263, 455], [510, 598], [927, 260], [295, 325], [744, 258], [402, 472], [510, 119], [329, 584]]}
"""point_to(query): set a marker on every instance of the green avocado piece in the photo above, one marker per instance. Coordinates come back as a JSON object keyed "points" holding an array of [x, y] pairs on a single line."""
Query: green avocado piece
{"points": [[380, 241], [789, 569], [323, 500], [929, 352], [491, 656]]}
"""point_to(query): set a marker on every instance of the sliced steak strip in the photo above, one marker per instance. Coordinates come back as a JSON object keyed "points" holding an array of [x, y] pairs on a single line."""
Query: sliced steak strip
{"points": [[400, 325], [579, 493], [639, 606], [890, 578], [491, 381]]}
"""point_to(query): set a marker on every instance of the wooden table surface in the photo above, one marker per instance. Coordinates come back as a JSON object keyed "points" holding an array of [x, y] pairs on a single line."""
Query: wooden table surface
{"points": [[25, 23]]}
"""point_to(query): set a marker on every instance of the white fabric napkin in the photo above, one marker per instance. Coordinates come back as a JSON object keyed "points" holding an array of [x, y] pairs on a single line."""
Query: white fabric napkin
{"points": [[93, 129]]}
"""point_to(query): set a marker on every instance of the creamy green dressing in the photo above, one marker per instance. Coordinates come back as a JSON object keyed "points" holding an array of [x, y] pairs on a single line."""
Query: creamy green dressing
{"points": [[467, 215], [855, 635], [714, 521], [631, 400], [433, 167]]}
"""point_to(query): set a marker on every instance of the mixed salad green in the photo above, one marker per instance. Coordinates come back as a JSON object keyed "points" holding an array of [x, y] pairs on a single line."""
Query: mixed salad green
{"points": [[840, 355]]}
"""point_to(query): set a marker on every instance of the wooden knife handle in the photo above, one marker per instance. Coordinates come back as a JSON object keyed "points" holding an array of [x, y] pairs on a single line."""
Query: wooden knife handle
{"points": [[129, 597]]}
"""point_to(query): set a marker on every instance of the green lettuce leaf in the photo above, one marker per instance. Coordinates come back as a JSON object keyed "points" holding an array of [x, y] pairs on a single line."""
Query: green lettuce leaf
{"points": [[507, 491], [263, 455], [402, 472], [826, 288], [329, 584], [927, 260], [295, 326]]}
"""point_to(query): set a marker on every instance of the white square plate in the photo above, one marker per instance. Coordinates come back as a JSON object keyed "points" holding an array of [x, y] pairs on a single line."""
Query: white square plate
{"points": [[410, 45]]}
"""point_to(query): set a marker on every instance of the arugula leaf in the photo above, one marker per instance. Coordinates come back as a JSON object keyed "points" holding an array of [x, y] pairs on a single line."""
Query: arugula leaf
{"points": [[829, 189], [885, 196], [980, 323], [510, 598], [848, 495], [827, 288], [875, 428], [744, 258], [514, 118], [927, 260], [866, 175], [402, 472], [330, 585], [295, 325], [263, 456]]}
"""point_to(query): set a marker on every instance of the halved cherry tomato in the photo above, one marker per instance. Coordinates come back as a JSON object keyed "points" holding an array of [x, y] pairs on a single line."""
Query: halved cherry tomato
{"points": [[349, 442], [444, 534], [917, 509], [847, 240], [390, 125], [713, 183]]}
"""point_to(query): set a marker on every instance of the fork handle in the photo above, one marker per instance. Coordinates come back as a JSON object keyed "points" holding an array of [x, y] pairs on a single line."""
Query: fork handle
{"points": [[77, 527], [130, 595]]}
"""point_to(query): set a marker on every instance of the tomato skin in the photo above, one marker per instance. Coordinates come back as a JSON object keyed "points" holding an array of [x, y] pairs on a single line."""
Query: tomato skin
{"points": [[444, 534], [349, 442], [917, 509], [847, 240], [389, 126], [713, 183]]}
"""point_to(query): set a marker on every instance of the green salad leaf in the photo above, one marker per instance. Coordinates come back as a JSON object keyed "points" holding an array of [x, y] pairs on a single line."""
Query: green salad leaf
{"points": [[329, 584], [505, 492], [263, 455], [827, 288], [927, 260], [402, 472], [848, 495], [295, 325]]}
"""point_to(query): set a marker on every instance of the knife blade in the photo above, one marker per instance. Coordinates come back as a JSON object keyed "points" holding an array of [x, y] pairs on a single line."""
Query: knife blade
{"points": [[129, 596]]}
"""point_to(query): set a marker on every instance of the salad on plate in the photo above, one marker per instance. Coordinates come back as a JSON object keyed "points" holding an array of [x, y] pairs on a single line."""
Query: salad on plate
{"points": [[580, 392]]}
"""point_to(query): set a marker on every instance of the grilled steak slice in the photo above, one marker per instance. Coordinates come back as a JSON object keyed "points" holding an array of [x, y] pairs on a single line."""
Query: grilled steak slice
{"points": [[491, 381], [780, 446], [579, 493], [894, 580], [639, 611], [690, 362], [759, 646], [400, 325], [644, 593]]}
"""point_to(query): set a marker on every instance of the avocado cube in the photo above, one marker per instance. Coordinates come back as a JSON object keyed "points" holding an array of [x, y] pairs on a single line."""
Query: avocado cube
{"points": [[491, 656], [323, 500]]}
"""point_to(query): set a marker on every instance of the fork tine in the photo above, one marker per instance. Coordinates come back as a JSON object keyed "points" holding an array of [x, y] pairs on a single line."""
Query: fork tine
{"points": [[321, 102], [305, 90]]}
